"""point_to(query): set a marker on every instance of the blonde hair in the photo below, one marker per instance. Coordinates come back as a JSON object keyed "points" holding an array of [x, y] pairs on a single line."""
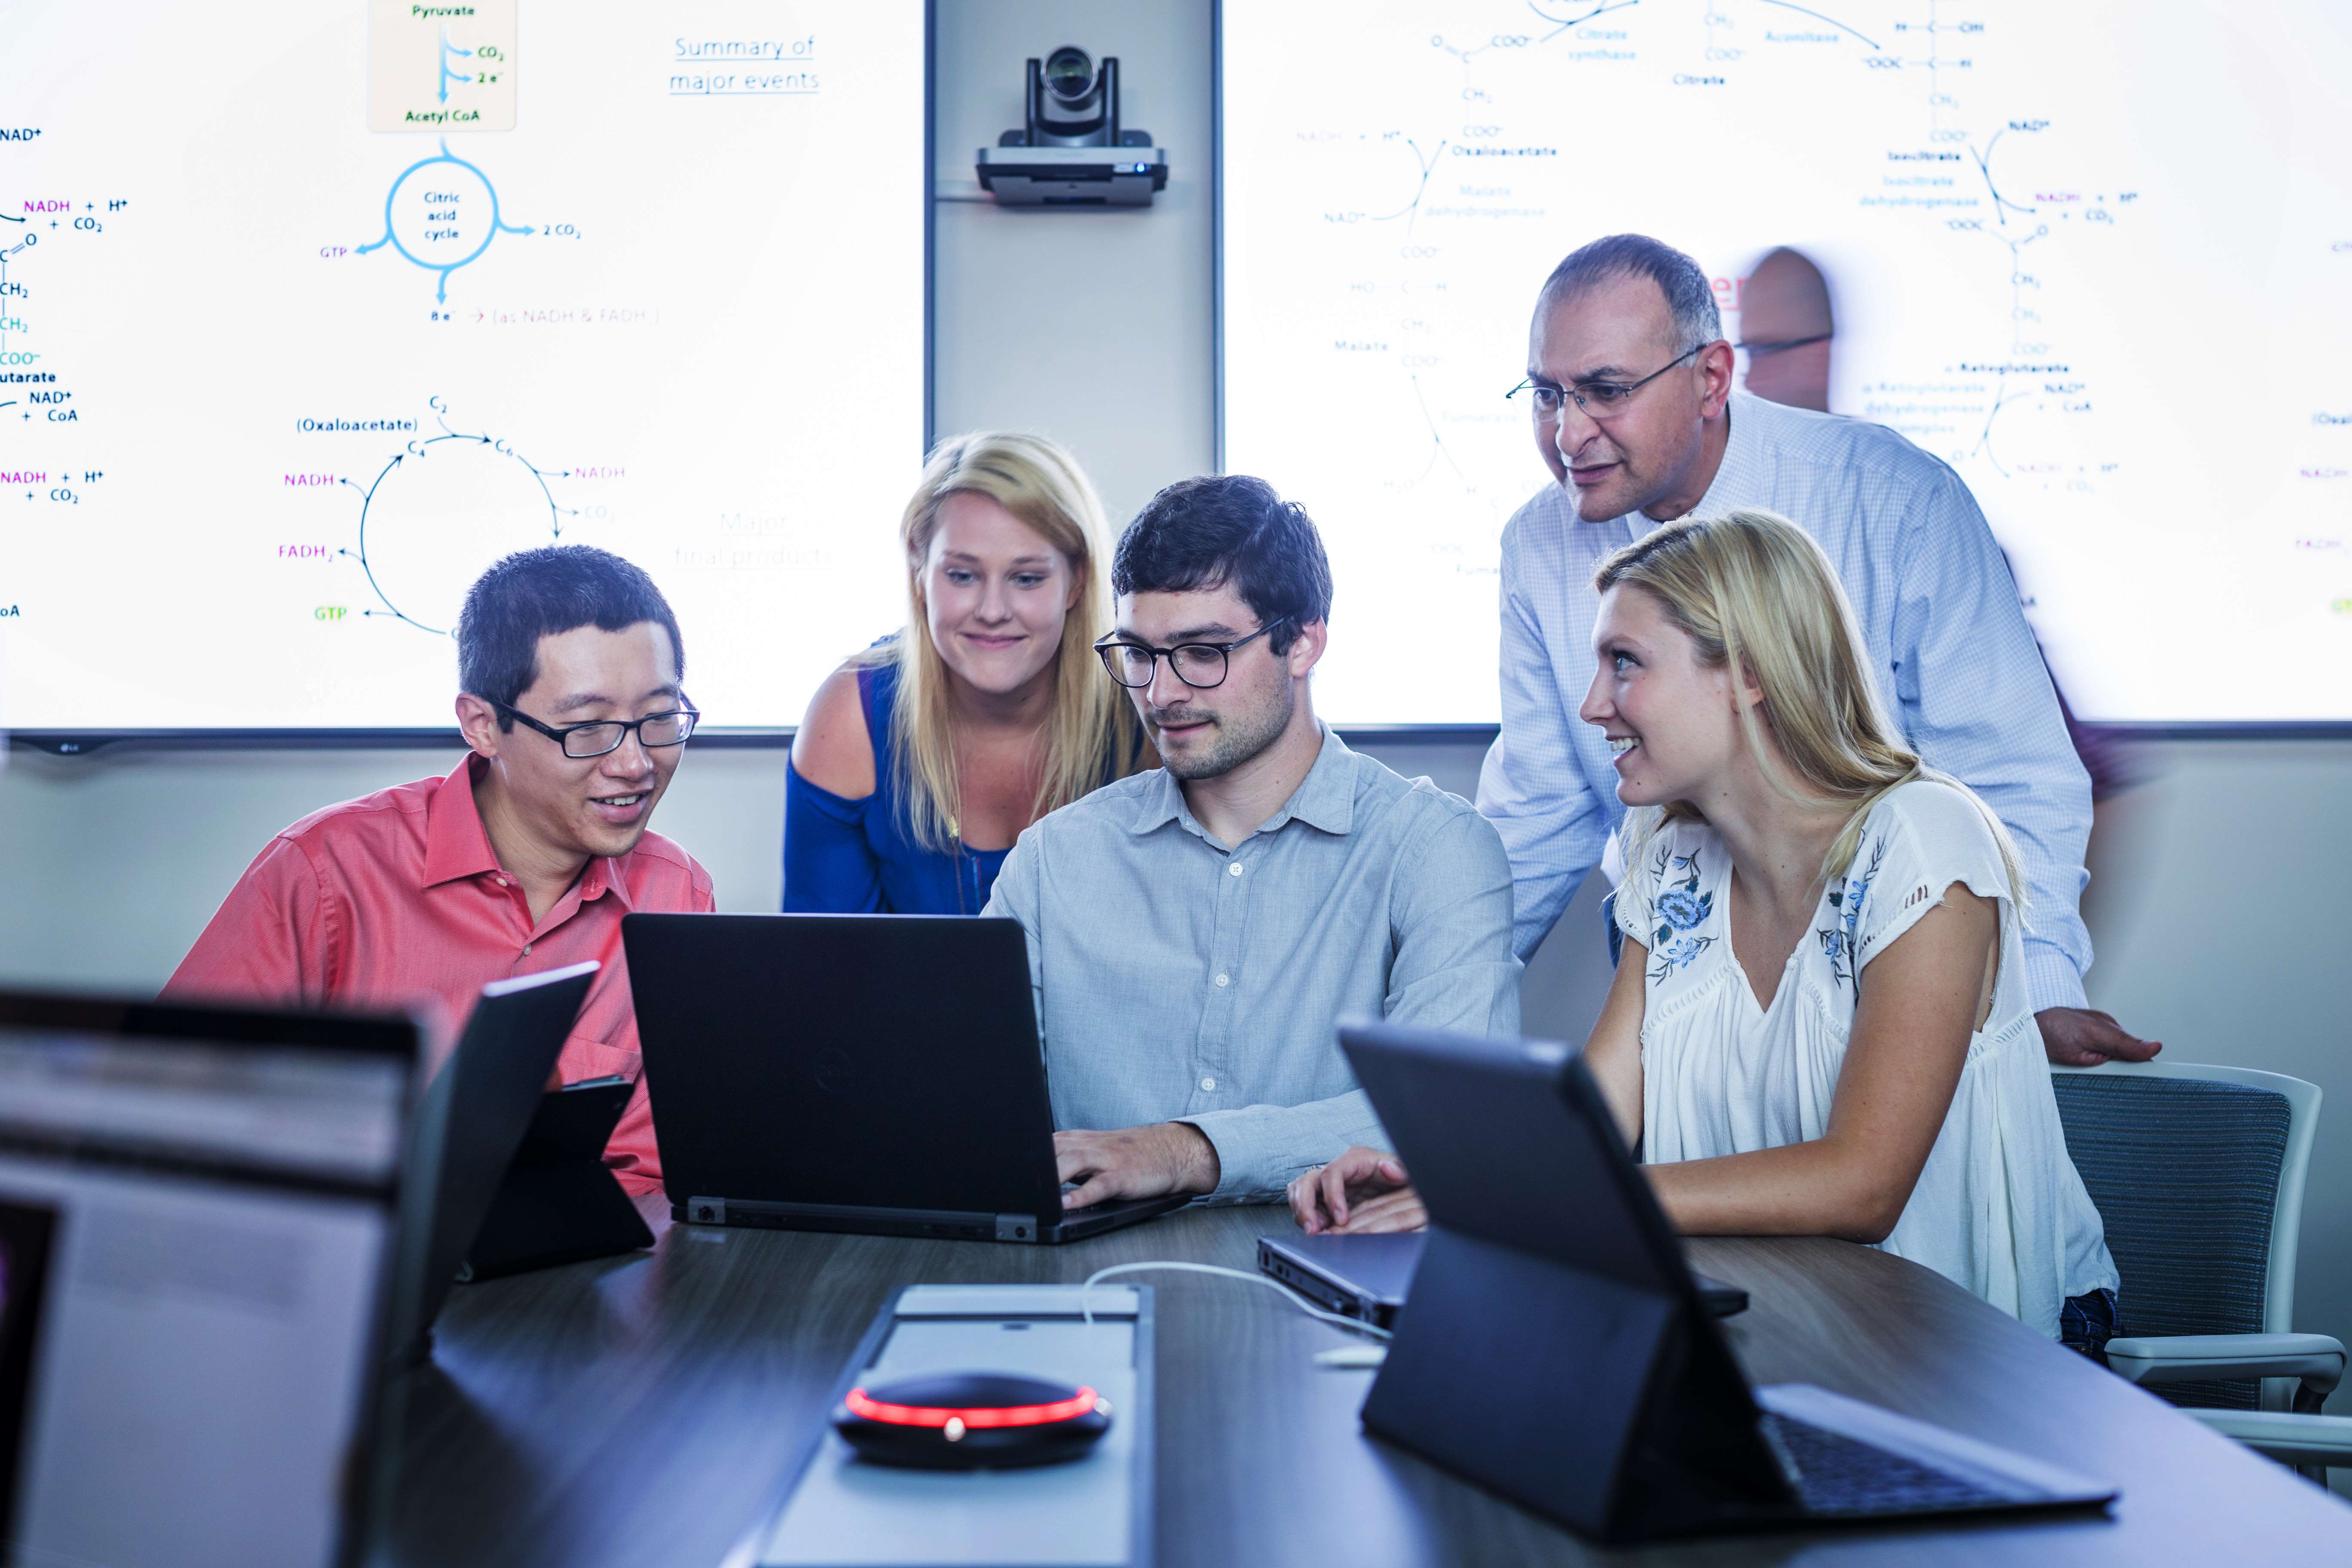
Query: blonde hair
{"points": [[1757, 594], [1038, 481]]}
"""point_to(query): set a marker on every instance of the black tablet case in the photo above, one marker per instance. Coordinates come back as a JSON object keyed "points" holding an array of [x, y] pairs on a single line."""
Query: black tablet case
{"points": [[560, 1203], [1558, 1353]]}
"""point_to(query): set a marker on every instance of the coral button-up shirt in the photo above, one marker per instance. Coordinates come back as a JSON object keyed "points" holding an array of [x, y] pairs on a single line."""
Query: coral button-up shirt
{"points": [[397, 898]]}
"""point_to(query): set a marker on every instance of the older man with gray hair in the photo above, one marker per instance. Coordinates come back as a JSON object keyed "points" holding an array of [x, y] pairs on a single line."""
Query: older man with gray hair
{"points": [[1630, 387]]}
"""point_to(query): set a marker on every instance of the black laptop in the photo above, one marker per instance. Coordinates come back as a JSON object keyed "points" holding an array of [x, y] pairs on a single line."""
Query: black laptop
{"points": [[1367, 1277], [878, 1074], [1557, 1350], [465, 1135]]}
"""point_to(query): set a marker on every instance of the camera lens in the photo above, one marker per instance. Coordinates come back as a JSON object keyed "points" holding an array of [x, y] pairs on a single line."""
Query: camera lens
{"points": [[1069, 75]]}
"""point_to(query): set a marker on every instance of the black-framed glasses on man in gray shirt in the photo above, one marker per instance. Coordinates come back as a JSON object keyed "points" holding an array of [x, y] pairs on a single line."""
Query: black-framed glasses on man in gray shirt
{"points": [[1197, 664]]}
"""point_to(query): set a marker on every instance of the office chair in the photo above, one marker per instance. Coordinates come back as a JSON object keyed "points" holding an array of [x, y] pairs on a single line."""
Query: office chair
{"points": [[2198, 1175]]}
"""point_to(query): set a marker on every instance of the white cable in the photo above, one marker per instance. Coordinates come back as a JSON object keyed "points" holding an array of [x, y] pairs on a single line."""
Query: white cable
{"points": [[1086, 1302]]}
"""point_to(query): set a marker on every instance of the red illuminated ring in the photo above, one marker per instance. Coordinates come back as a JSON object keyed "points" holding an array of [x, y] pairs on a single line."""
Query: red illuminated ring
{"points": [[992, 1416]]}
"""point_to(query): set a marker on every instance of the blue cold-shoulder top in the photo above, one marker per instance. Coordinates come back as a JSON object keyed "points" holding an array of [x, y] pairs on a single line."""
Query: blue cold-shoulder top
{"points": [[856, 856]]}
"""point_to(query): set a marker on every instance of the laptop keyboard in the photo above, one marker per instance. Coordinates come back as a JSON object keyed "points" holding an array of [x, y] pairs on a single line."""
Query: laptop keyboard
{"points": [[1837, 1475]]}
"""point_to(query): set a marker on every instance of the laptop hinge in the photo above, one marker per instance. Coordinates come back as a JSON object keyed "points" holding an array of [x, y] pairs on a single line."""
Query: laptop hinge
{"points": [[706, 1211], [1016, 1227]]}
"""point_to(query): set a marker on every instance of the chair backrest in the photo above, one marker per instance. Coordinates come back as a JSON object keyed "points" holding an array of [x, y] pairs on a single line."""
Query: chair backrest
{"points": [[2198, 1174]]}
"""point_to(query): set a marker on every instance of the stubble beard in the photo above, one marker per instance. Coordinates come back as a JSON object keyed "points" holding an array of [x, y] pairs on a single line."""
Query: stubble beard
{"points": [[1240, 736]]}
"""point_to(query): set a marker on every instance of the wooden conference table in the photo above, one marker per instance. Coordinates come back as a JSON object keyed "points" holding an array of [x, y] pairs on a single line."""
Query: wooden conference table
{"points": [[641, 1412]]}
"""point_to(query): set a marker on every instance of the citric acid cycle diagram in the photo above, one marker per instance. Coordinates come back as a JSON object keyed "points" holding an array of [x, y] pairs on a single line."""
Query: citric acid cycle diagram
{"points": [[439, 512], [441, 213]]}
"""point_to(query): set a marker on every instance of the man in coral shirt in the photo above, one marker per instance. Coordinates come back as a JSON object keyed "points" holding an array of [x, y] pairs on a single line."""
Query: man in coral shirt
{"points": [[523, 859]]}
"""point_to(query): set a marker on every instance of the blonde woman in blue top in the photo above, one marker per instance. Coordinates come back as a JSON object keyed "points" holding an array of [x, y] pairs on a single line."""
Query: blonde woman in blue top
{"points": [[922, 758]]}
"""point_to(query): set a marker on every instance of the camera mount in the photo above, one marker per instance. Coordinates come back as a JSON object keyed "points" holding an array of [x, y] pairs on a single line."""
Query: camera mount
{"points": [[1072, 151]]}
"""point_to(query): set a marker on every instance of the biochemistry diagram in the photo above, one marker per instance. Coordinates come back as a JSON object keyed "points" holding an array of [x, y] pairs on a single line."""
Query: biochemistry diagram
{"points": [[40, 387], [1930, 53], [443, 69], [439, 512], [442, 213]]}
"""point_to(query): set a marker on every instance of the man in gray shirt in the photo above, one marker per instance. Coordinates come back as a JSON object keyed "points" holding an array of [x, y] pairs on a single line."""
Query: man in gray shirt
{"points": [[1196, 932]]}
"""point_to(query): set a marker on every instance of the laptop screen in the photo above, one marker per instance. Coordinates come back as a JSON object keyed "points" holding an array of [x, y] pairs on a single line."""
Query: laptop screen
{"points": [[192, 1242]]}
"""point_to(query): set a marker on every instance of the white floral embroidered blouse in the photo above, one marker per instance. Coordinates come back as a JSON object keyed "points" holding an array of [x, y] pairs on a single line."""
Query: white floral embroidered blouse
{"points": [[1998, 1208]]}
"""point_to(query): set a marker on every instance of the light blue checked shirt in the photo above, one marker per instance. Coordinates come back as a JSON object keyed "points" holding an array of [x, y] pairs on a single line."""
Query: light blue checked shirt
{"points": [[1937, 603], [1180, 980]]}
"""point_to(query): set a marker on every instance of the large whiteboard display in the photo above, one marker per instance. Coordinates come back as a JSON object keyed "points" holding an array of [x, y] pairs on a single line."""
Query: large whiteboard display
{"points": [[311, 308], [2097, 255]]}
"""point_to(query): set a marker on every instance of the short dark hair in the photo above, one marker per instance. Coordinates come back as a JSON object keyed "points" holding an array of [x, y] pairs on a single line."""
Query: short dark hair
{"points": [[543, 593], [1222, 529], [1690, 298]]}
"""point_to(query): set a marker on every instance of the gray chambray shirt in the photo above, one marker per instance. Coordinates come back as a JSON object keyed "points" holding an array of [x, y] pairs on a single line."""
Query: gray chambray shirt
{"points": [[1179, 981]]}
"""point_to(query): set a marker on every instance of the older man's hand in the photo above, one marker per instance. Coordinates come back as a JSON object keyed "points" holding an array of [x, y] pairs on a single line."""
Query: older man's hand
{"points": [[2082, 1037]]}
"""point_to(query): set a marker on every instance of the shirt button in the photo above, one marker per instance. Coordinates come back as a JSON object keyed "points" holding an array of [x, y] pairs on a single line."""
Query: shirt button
{"points": [[1235, 870], [526, 950], [1225, 980], [1208, 1083]]}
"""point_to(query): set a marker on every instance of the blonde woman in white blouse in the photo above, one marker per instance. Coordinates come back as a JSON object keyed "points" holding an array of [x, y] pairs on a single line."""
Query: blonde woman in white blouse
{"points": [[1819, 1025]]}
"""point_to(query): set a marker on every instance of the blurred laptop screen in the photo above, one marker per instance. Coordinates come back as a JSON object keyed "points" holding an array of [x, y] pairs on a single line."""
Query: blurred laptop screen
{"points": [[193, 1236]]}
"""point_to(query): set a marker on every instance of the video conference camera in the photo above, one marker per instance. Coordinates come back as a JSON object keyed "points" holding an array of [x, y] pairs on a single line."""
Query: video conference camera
{"points": [[1072, 151]]}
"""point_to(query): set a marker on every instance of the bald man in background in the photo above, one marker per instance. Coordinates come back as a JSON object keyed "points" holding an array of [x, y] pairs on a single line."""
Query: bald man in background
{"points": [[1785, 329]]}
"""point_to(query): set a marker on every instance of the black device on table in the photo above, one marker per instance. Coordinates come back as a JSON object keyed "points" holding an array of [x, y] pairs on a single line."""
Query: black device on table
{"points": [[875, 1074], [560, 1203], [505, 1173], [1367, 1277], [1558, 1352]]}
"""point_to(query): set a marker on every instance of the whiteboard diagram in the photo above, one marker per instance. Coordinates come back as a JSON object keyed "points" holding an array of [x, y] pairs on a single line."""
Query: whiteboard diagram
{"points": [[441, 511], [440, 214], [2045, 228], [307, 320]]}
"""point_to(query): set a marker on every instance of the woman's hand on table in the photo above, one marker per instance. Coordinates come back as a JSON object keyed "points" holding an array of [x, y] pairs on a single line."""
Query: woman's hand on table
{"points": [[1361, 1192]]}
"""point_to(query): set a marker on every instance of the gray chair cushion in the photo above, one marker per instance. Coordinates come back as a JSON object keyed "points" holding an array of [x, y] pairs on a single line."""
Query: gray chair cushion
{"points": [[2185, 1174]]}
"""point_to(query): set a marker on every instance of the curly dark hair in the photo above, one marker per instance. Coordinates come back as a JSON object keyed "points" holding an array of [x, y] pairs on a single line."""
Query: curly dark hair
{"points": [[1221, 529]]}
